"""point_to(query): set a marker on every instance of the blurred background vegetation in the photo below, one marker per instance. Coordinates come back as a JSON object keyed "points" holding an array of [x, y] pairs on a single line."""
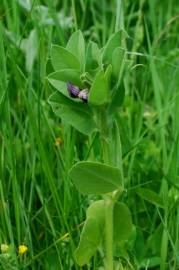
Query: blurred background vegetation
{"points": [[39, 206]]}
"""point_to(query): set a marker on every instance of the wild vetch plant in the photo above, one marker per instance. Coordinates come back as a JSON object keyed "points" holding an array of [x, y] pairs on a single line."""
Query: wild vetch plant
{"points": [[89, 93]]}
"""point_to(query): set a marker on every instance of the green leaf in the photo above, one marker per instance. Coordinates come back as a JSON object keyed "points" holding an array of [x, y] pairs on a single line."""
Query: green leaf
{"points": [[58, 98], [99, 92], [65, 75], [97, 210], [63, 59], [95, 178], [76, 45], [60, 86], [123, 226], [93, 230], [107, 75], [112, 44], [92, 233], [77, 118], [89, 241], [150, 196], [118, 63], [93, 57], [117, 98]]}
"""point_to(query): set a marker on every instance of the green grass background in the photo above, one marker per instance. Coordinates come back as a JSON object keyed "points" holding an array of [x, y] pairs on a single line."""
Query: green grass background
{"points": [[39, 206]]}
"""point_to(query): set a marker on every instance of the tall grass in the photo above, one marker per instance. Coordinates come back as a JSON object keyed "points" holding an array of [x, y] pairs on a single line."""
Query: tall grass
{"points": [[39, 206]]}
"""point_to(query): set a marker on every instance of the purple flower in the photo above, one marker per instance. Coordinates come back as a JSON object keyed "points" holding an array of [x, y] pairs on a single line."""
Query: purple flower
{"points": [[73, 90], [83, 94]]}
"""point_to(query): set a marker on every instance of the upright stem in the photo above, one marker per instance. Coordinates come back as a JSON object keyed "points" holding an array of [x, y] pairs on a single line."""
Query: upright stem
{"points": [[109, 233], [108, 200]]}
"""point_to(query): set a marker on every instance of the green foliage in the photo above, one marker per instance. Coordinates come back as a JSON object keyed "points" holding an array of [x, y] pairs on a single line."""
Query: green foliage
{"points": [[123, 225], [92, 236], [118, 59], [101, 83], [93, 57], [113, 42], [63, 59], [65, 75], [76, 45], [99, 92], [39, 205], [95, 178], [92, 233]]}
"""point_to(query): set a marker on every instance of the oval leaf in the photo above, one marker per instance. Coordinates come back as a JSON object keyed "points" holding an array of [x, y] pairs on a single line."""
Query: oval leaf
{"points": [[89, 241], [63, 59], [112, 44], [118, 63], [58, 98], [93, 57], [99, 92], [107, 75], [76, 45], [77, 118], [123, 226], [117, 98], [65, 75], [95, 178], [97, 211]]}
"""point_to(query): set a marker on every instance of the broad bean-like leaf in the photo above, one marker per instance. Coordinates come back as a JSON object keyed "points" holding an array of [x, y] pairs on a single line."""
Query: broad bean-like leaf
{"points": [[107, 75], [63, 59], [118, 57], [65, 75], [117, 98], [58, 98], [97, 210], [122, 219], [93, 57], [95, 178], [99, 92], [76, 45], [77, 118], [92, 233], [112, 44], [89, 241]]}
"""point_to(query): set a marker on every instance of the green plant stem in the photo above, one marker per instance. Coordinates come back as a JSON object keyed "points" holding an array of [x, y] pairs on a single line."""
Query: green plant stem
{"points": [[109, 233], [109, 203]]}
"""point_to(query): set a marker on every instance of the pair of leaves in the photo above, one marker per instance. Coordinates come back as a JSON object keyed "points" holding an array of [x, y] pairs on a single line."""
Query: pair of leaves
{"points": [[95, 178], [93, 231]]}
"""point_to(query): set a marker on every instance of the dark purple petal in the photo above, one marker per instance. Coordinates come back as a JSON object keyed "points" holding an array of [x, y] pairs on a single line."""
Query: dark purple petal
{"points": [[73, 90]]}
